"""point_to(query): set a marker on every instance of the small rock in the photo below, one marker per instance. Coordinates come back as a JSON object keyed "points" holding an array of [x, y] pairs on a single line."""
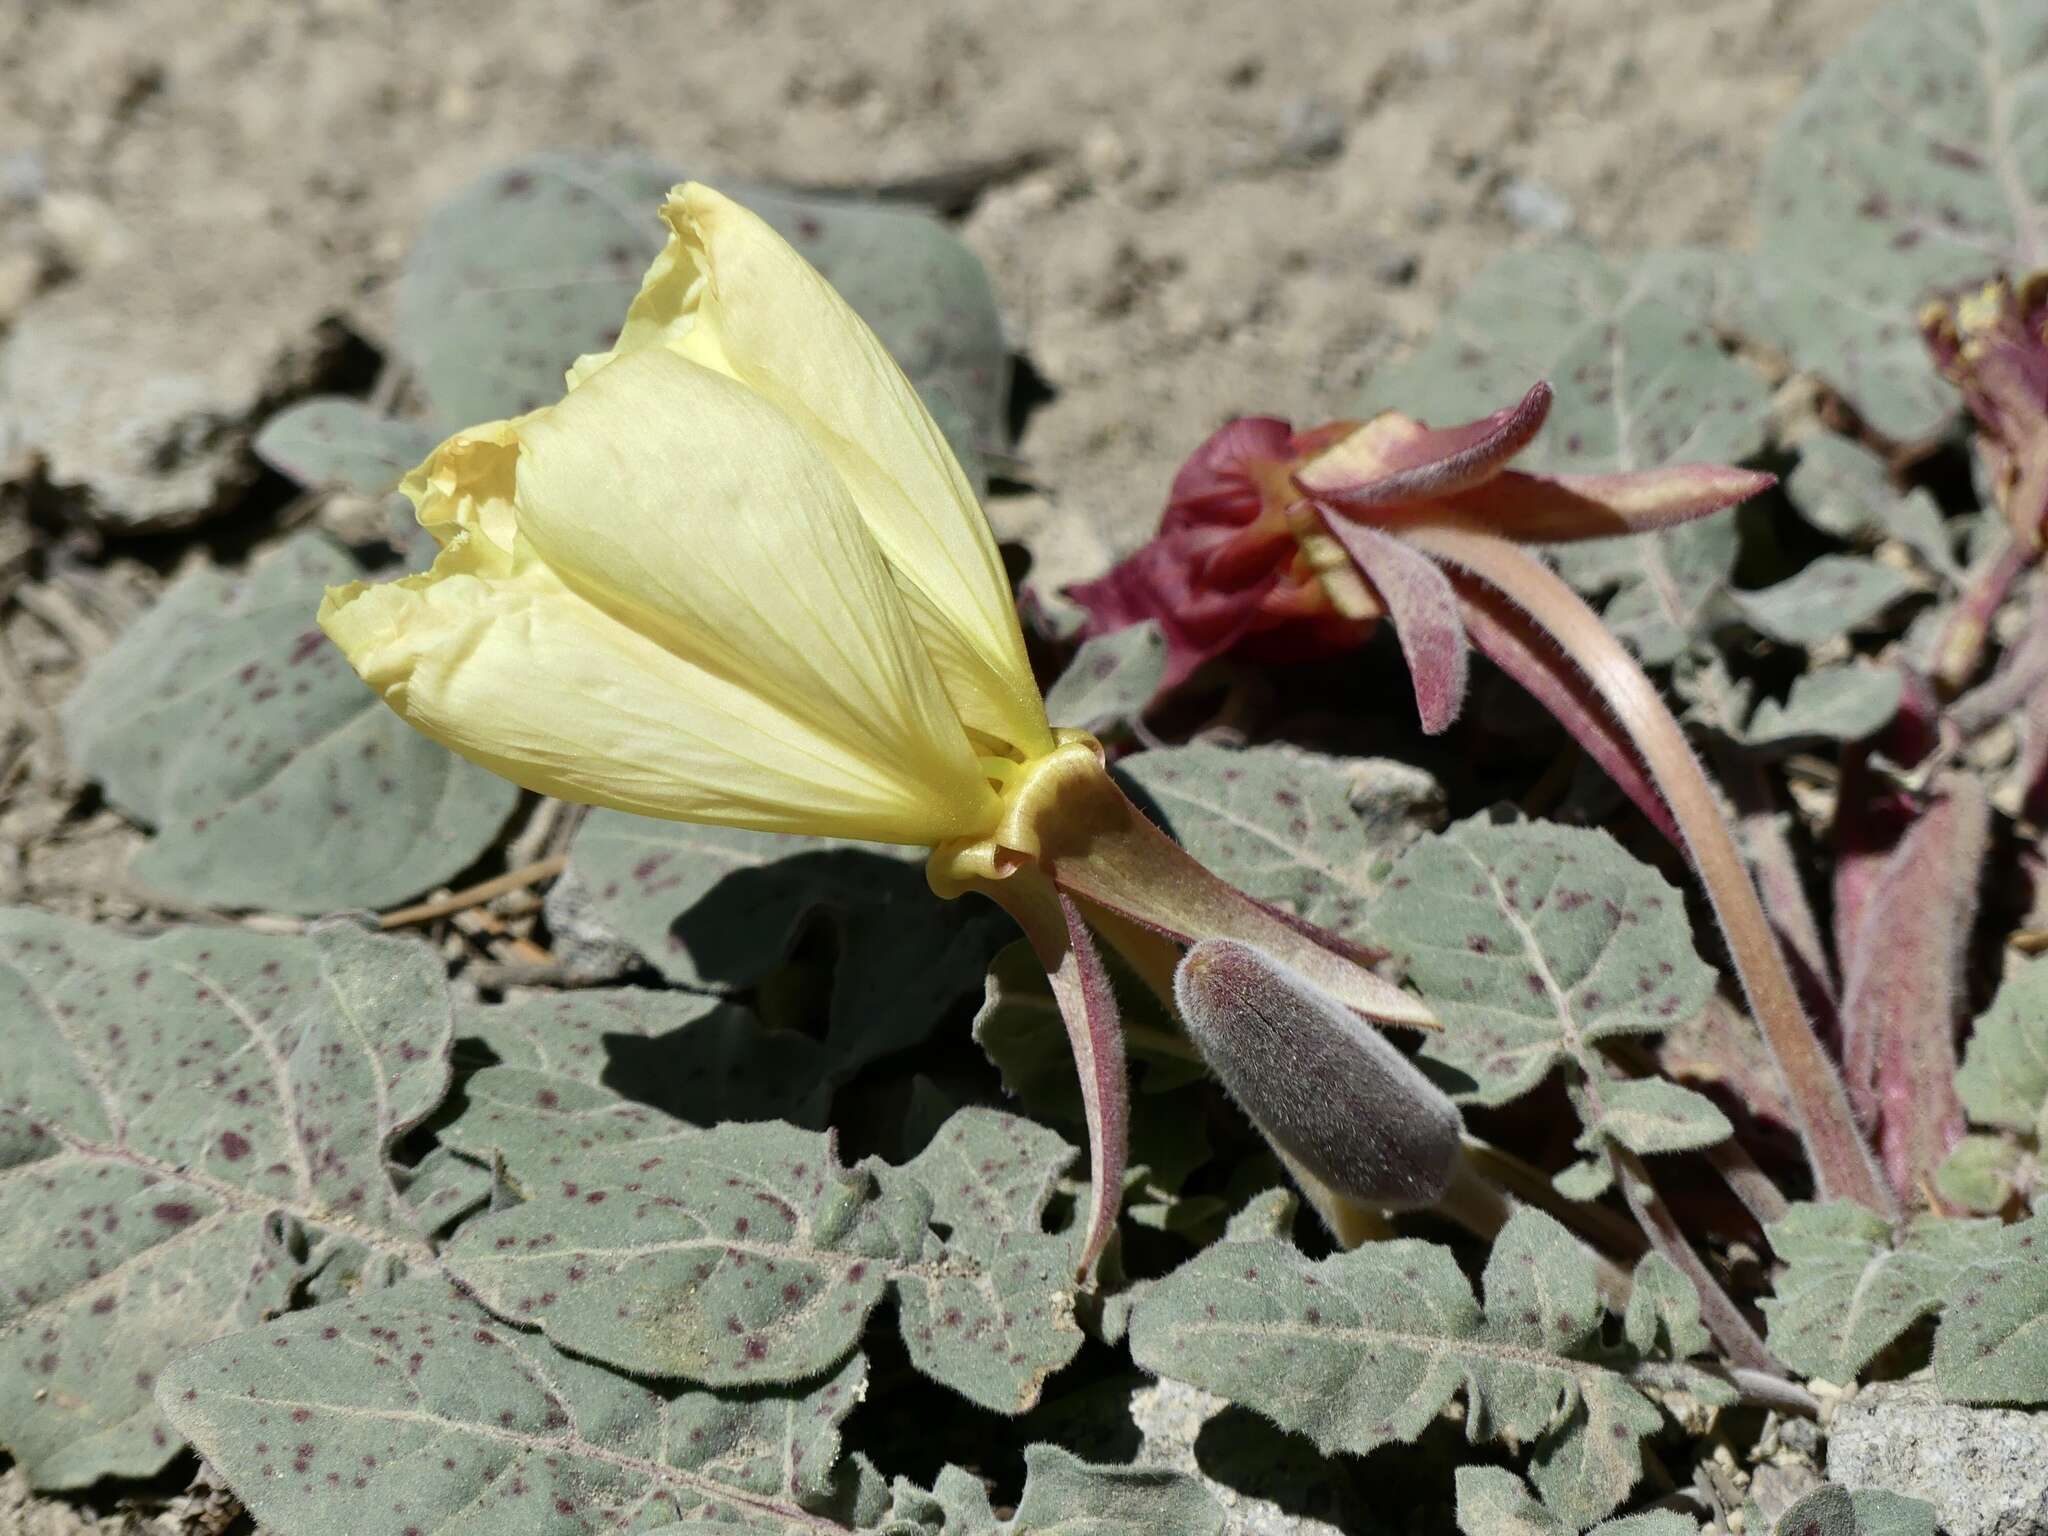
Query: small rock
{"points": [[137, 400], [1397, 803], [1535, 206], [1311, 131], [22, 177], [1774, 1489], [1397, 269], [587, 946], [1985, 1470]]}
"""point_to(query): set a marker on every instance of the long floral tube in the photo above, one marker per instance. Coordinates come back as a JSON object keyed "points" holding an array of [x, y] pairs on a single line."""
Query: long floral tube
{"points": [[1842, 1162]]}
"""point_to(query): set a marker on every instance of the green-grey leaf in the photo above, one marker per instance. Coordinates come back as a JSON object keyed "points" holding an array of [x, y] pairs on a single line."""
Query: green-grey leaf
{"points": [[1651, 1115], [698, 1058], [1663, 1316], [1992, 1345], [533, 265], [1844, 489], [1019, 1028], [1641, 378], [1531, 942], [544, 1125], [273, 778], [1110, 680], [1310, 833], [2004, 1077], [718, 908], [732, 1256], [989, 1312], [174, 1113], [1832, 1510], [1494, 1502], [1668, 588], [1851, 1286], [331, 440], [1368, 1346], [1063, 1496], [1911, 164], [418, 1403], [1845, 703], [746, 1253], [1979, 1174], [1833, 595]]}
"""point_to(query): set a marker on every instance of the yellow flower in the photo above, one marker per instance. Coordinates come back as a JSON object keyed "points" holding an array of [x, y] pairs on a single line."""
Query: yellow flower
{"points": [[735, 575]]}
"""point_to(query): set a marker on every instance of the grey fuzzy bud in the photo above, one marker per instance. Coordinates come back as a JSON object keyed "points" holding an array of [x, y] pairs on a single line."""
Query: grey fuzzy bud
{"points": [[1325, 1087]]}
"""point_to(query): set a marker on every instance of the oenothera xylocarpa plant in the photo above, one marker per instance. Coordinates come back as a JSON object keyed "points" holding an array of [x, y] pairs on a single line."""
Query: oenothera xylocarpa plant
{"points": [[825, 645]]}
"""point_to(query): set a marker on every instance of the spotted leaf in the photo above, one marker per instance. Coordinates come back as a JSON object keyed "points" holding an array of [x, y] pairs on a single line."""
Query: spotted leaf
{"points": [[191, 1126], [272, 777], [1532, 943], [714, 908], [747, 1253], [414, 1411], [701, 1059], [1851, 1285], [1992, 1345], [1369, 1346], [1110, 680], [1313, 834], [1910, 165]]}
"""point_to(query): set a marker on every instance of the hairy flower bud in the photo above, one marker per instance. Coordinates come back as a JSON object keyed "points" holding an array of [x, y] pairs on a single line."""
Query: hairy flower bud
{"points": [[1326, 1088]]}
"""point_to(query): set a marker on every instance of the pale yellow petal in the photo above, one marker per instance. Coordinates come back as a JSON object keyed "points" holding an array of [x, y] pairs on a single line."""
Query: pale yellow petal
{"points": [[523, 676], [692, 510], [467, 484], [732, 294]]}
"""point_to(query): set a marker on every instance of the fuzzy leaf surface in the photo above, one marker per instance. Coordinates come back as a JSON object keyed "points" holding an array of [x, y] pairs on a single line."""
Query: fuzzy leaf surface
{"points": [[1832, 1510], [990, 1310], [1844, 489], [1851, 1287], [1831, 596], [173, 1114], [698, 1058], [1910, 165], [331, 440], [1110, 680], [716, 908], [1492, 1501], [1369, 1346], [2004, 1077], [1064, 1496], [747, 1254], [1293, 828], [1992, 1345], [1845, 703], [1532, 942], [1663, 1314], [272, 777], [421, 1404], [1651, 1115], [1641, 378]]}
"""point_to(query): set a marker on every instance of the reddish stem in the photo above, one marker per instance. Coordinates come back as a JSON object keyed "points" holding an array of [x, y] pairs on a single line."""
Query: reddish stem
{"points": [[1842, 1163], [1506, 637]]}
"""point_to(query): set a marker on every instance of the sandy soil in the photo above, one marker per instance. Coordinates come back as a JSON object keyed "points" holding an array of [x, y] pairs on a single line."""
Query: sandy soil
{"points": [[1191, 208]]}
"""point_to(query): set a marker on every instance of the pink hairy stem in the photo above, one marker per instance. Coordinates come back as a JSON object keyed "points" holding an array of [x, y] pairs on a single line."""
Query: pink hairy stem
{"points": [[1506, 637], [1842, 1162]]}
